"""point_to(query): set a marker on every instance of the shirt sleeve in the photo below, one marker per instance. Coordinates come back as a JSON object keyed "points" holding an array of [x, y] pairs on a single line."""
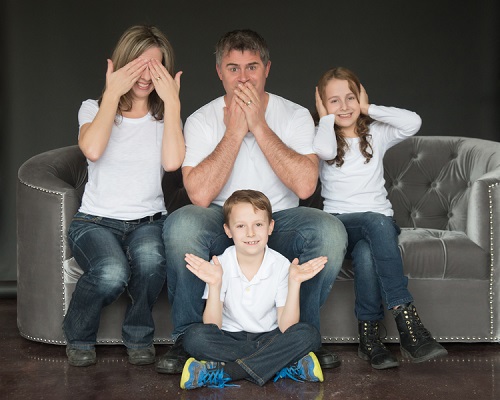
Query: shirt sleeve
{"points": [[88, 111], [198, 143], [282, 292], [301, 132], [393, 124], [325, 141]]}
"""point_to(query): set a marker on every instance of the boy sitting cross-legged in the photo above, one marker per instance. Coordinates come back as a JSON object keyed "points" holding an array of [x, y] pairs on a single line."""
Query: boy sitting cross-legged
{"points": [[251, 327]]}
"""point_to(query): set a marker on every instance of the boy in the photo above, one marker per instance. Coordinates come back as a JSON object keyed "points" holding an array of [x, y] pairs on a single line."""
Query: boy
{"points": [[251, 326]]}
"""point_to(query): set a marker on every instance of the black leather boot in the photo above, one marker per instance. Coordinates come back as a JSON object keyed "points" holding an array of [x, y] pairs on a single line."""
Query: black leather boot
{"points": [[371, 347], [417, 343]]}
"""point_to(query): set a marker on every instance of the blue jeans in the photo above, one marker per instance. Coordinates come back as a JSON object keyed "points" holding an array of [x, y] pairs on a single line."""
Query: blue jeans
{"points": [[300, 232], [115, 255], [378, 267], [261, 355]]}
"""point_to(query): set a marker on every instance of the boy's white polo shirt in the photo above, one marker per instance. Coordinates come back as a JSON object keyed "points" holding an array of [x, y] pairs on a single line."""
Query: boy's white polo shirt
{"points": [[250, 306]]}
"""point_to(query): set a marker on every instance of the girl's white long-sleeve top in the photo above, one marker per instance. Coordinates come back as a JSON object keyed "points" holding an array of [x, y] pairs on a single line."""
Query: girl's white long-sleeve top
{"points": [[358, 186]]}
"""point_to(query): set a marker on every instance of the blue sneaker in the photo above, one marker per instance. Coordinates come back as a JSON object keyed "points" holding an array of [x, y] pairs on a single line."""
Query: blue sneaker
{"points": [[203, 373], [306, 369]]}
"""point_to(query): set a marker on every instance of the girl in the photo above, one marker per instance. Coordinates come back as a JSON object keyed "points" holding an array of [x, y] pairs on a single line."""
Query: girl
{"points": [[130, 136], [352, 138]]}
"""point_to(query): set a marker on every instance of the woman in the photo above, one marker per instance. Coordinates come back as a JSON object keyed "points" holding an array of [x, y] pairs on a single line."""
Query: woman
{"points": [[130, 136], [352, 138]]}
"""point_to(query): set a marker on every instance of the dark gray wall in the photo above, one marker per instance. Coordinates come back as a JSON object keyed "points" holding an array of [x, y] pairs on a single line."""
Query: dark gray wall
{"points": [[436, 58]]}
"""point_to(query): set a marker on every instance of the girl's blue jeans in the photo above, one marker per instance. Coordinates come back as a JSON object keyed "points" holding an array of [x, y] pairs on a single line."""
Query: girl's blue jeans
{"points": [[378, 267]]}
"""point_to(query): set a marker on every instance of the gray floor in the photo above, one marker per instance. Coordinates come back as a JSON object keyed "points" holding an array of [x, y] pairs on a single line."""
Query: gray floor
{"points": [[30, 370]]}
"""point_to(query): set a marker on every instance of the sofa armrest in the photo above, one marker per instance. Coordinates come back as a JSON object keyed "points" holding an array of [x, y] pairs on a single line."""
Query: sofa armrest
{"points": [[49, 190], [482, 211], [483, 227]]}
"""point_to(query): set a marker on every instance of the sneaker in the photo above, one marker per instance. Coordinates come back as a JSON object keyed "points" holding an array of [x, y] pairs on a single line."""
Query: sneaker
{"points": [[141, 356], [172, 362], [306, 369], [198, 374]]}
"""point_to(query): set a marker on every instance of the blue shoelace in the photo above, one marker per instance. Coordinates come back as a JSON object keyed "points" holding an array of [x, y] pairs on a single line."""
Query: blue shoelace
{"points": [[290, 372], [216, 379]]}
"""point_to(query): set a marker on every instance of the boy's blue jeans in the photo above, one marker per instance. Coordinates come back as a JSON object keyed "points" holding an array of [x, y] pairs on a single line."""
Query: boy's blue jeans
{"points": [[115, 255], [261, 355], [378, 267], [300, 232]]}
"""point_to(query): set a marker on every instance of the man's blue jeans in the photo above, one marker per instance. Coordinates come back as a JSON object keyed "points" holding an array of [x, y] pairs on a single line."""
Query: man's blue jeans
{"points": [[378, 267], [300, 232], [115, 255], [261, 355]]}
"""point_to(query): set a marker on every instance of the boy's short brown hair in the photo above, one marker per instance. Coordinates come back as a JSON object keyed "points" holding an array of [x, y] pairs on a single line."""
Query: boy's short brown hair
{"points": [[257, 199]]}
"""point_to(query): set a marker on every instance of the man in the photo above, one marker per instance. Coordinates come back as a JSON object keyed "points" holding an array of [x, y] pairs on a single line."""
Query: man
{"points": [[248, 139]]}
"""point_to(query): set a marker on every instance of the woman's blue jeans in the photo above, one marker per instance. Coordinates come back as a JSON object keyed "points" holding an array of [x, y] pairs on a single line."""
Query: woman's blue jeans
{"points": [[261, 355], [378, 267], [300, 232], [115, 255]]}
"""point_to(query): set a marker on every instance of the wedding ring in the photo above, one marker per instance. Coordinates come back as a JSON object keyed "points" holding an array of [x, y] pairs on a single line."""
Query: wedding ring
{"points": [[249, 102], [158, 78]]}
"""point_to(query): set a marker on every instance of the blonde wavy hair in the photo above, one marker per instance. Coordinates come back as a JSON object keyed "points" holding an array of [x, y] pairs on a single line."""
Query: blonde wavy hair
{"points": [[133, 42]]}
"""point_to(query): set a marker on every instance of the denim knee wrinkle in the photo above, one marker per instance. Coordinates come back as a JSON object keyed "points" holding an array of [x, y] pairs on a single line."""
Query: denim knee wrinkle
{"points": [[115, 256], [377, 263], [261, 355]]}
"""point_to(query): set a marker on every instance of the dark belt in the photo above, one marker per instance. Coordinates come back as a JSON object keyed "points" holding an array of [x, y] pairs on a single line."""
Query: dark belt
{"points": [[149, 218]]}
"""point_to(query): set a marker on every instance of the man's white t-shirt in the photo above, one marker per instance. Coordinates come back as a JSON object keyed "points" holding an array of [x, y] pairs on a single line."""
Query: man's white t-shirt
{"points": [[292, 123]]}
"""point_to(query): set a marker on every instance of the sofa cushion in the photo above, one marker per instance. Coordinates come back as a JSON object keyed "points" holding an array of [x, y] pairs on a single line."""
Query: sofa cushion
{"points": [[434, 253]]}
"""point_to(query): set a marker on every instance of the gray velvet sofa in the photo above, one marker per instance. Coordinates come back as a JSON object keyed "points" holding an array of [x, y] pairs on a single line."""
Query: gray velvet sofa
{"points": [[446, 196]]}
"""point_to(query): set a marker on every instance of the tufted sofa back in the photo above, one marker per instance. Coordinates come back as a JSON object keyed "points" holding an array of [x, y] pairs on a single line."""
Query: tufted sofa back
{"points": [[430, 180]]}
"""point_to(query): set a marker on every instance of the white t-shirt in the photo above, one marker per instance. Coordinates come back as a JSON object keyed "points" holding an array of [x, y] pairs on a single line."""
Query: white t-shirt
{"points": [[250, 306], [358, 186], [292, 123], [125, 182]]}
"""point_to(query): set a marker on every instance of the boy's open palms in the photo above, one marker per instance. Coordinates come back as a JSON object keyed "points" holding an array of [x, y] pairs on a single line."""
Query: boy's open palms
{"points": [[306, 271], [207, 272]]}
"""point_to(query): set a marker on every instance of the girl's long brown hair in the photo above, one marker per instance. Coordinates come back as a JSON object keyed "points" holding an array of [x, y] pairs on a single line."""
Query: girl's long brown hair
{"points": [[362, 127]]}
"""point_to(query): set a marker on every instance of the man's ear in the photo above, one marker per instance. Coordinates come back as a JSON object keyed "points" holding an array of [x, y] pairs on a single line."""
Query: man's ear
{"points": [[268, 67], [219, 73], [228, 232]]}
